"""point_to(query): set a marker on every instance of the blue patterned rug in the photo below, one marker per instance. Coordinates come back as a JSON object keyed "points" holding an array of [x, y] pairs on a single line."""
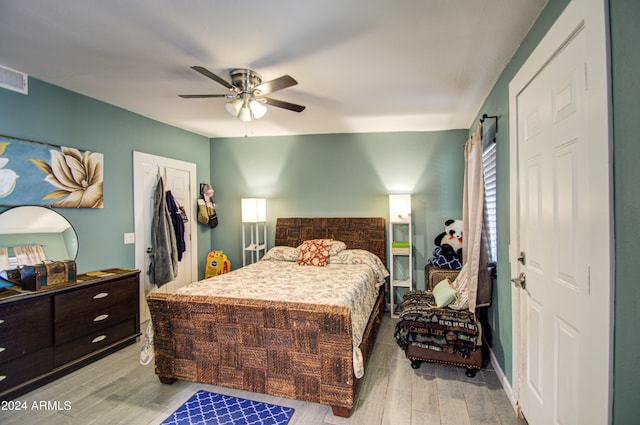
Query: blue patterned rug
{"points": [[205, 408]]}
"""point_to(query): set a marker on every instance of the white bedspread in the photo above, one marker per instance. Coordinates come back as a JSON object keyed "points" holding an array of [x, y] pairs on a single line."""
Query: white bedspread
{"points": [[351, 279]]}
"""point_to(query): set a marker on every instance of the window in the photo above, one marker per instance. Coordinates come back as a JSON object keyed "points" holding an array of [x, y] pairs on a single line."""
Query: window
{"points": [[489, 165]]}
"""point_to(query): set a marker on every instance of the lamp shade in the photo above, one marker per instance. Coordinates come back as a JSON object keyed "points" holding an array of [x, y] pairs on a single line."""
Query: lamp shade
{"points": [[254, 210], [245, 114], [234, 106], [245, 108], [400, 208], [257, 109]]}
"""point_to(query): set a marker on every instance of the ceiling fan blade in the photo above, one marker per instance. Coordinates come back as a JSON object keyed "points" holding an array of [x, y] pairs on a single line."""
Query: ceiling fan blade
{"points": [[275, 85], [200, 96], [214, 77], [283, 104]]}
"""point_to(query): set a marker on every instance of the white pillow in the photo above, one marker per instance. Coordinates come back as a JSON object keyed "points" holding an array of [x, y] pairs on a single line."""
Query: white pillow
{"points": [[444, 293], [281, 253], [336, 247]]}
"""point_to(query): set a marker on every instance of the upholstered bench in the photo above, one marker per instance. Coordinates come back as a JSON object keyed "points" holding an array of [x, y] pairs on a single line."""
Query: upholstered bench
{"points": [[439, 335]]}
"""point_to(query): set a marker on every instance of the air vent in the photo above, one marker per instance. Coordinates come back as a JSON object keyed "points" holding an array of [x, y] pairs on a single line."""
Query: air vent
{"points": [[14, 80]]}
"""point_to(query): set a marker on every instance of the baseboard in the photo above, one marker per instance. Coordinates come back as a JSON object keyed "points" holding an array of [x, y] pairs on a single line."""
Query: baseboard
{"points": [[503, 379]]}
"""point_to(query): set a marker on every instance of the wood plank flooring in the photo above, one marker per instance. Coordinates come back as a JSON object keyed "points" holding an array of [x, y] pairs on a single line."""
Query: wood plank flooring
{"points": [[118, 390]]}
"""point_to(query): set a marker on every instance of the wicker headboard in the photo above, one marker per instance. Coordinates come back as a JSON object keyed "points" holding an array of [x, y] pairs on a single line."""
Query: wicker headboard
{"points": [[357, 232]]}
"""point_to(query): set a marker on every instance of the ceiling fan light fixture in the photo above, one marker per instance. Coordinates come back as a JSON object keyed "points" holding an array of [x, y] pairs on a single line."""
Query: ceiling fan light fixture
{"points": [[257, 109], [234, 106], [247, 101], [245, 114]]}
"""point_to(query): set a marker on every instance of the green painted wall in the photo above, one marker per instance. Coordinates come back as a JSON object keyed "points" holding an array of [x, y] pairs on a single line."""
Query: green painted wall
{"points": [[336, 175], [54, 245], [57, 116], [625, 61], [498, 316]]}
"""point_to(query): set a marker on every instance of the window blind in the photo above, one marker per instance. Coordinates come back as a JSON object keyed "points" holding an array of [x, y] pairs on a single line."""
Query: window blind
{"points": [[489, 165]]}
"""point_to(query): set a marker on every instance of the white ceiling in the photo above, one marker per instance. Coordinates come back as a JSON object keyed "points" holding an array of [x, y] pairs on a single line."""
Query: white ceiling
{"points": [[361, 65], [32, 219]]}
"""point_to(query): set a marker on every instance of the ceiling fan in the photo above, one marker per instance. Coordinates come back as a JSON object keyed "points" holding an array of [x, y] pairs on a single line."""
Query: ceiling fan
{"points": [[247, 98]]}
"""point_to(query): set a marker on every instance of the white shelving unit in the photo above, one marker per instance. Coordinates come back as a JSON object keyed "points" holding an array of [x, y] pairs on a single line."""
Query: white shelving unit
{"points": [[254, 241], [400, 248]]}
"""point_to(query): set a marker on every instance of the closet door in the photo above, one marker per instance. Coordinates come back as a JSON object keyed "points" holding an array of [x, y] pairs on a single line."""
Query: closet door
{"points": [[179, 178]]}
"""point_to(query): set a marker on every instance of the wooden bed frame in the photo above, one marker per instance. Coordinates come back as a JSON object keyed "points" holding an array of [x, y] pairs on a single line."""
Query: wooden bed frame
{"points": [[285, 349]]}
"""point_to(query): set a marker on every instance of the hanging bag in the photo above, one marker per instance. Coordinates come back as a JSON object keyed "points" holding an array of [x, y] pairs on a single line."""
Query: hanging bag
{"points": [[213, 218], [207, 213]]}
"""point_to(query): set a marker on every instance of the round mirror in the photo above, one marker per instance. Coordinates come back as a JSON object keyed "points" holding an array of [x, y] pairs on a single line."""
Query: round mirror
{"points": [[35, 226]]}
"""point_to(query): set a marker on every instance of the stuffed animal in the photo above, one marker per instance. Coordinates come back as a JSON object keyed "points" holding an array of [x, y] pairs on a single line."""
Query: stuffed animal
{"points": [[451, 239]]}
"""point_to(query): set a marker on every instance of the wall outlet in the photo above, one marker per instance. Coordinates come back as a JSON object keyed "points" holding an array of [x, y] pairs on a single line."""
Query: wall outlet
{"points": [[129, 238]]}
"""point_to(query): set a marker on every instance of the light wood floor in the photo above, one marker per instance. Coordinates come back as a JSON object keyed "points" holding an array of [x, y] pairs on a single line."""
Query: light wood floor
{"points": [[118, 390]]}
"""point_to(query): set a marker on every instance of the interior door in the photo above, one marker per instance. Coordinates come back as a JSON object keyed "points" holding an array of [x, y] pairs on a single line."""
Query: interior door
{"points": [[177, 181], [562, 348], [179, 178]]}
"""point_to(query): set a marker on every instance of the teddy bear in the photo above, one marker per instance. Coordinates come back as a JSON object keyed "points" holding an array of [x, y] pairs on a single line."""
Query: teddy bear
{"points": [[450, 241]]}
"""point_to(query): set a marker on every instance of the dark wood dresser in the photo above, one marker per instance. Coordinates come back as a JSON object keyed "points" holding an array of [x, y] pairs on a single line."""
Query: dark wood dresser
{"points": [[50, 332]]}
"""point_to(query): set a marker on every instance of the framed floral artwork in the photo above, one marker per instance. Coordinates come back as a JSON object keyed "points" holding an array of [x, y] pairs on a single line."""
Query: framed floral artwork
{"points": [[35, 173]]}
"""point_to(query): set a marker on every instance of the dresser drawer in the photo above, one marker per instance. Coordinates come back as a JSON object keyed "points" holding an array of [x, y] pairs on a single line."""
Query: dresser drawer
{"points": [[87, 301], [87, 344], [25, 368], [69, 327], [25, 327]]}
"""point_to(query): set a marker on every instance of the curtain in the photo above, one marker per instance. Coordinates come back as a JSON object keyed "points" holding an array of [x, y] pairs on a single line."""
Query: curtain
{"points": [[29, 255], [474, 247], [4, 259]]}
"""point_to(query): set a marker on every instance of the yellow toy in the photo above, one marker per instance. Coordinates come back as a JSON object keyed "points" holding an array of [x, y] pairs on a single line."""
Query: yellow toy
{"points": [[217, 264]]}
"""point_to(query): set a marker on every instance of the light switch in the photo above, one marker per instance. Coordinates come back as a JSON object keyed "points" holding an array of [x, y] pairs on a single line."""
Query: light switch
{"points": [[129, 238]]}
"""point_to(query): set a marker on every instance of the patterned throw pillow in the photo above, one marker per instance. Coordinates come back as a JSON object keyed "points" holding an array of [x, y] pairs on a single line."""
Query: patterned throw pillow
{"points": [[314, 252], [281, 253]]}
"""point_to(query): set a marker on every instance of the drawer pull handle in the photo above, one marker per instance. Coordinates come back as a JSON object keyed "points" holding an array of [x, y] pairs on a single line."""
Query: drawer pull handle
{"points": [[98, 339], [3, 377], [1, 321], [2, 349], [100, 318], [100, 295]]}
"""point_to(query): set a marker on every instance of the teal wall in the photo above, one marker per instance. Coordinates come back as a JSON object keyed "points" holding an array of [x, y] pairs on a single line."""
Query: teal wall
{"points": [[499, 332], [57, 116], [339, 175], [625, 61], [54, 245]]}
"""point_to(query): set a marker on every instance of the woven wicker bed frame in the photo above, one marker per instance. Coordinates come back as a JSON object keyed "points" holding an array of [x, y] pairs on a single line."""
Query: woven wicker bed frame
{"points": [[291, 350]]}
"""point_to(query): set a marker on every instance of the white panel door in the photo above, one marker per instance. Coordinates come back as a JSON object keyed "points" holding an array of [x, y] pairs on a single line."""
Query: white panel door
{"points": [[177, 181], [179, 178], [562, 351], [553, 194]]}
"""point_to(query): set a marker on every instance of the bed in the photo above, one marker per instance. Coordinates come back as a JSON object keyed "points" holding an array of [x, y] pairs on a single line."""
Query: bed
{"points": [[286, 347]]}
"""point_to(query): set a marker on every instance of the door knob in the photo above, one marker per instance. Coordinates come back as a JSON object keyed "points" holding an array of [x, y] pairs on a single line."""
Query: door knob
{"points": [[520, 281]]}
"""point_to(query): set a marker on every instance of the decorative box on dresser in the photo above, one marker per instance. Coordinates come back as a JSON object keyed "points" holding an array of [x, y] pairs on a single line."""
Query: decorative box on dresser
{"points": [[48, 333]]}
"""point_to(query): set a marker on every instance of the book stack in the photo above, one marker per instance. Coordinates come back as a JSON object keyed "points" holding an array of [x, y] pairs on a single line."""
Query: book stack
{"points": [[400, 248]]}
